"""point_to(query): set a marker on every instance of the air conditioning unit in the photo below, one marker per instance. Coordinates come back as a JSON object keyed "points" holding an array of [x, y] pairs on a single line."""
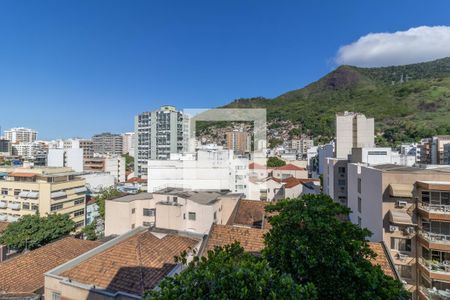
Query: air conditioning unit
{"points": [[402, 256], [409, 230], [401, 204], [393, 228]]}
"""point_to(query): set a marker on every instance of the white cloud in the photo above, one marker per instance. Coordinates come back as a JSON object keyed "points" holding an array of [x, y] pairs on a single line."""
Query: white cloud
{"points": [[415, 45]]}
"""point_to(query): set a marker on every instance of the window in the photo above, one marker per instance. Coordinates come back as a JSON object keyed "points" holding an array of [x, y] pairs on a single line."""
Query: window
{"points": [[359, 204], [78, 201], [401, 244], [192, 216], [359, 221], [148, 224], [341, 170], [215, 215], [132, 226], [79, 212], [359, 185], [26, 205], [341, 182], [149, 212], [405, 271], [175, 199], [133, 210], [4, 191], [34, 206], [56, 296], [57, 206], [79, 223], [16, 192]]}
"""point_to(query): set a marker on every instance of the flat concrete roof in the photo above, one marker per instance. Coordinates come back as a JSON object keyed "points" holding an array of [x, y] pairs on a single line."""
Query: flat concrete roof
{"points": [[133, 197], [405, 169], [199, 196]]}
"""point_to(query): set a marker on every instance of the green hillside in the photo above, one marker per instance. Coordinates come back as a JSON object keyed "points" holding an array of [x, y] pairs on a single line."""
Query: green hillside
{"points": [[408, 102]]}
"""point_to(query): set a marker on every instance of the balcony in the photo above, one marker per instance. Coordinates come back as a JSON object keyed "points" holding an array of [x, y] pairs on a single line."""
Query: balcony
{"points": [[436, 241], [15, 206], [436, 266], [434, 211], [3, 204], [435, 294], [13, 218], [3, 217]]}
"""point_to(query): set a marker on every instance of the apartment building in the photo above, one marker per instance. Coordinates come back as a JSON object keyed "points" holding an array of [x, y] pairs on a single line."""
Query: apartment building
{"points": [[128, 143], [238, 141], [353, 130], [107, 143], [432, 150], [211, 166], [5, 147], [335, 179], [28, 150], [392, 202], [45, 190], [302, 145], [21, 135], [170, 208], [158, 134], [112, 164]]}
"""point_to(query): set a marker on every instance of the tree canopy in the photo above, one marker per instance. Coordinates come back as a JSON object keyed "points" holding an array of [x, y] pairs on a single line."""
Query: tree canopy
{"points": [[106, 194], [33, 231], [230, 273], [273, 162], [312, 241]]}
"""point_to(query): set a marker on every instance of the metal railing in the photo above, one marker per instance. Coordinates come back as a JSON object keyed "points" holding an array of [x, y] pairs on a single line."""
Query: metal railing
{"points": [[435, 237], [438, 208], [435, 266], [435, 294]]}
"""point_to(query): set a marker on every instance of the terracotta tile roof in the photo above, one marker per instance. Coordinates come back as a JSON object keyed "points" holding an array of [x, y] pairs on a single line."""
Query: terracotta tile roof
{"points": [[381, 259], [137, 179], [251, 239], [249, 213], [25, 273], [253, 166], [290, 167], [290, 182], [134, 265], [3, 226], [20, 174]]}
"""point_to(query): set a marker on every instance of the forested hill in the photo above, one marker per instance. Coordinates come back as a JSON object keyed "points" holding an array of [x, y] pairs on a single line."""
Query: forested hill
{"points": [[408, 102]]}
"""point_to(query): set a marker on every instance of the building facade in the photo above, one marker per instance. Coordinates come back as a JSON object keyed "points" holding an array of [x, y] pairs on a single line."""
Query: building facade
{"points": [[238, 141], [107, 143], [157, 135], [21, 135], [353, 130], [47, 190]]}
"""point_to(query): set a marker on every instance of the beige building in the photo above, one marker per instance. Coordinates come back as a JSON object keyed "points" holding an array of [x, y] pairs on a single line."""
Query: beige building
{"points": [[112, 164], [25, 191], [353, 130], [238, 141], [406, 208], [170, 208]]}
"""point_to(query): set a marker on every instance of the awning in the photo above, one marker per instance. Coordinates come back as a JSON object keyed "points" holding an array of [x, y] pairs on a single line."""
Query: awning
{"points": [[58, 194], [400, 190], [398, 216], [80, 190], [18, 174], [29, 194]]}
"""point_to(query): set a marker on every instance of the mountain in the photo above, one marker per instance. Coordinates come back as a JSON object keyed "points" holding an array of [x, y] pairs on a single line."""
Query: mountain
{"points": [[408, 102]]}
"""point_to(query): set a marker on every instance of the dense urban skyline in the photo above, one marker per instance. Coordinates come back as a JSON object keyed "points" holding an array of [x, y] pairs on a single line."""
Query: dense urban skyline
{"points": [[91, 67]]}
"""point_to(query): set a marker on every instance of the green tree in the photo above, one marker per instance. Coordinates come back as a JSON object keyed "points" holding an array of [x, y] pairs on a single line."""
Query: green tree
{"points": [[104, 195], [230, 273], [89, 231], [273, 142], [33, 231], [129, 161], [311, 240], [274, 162]]}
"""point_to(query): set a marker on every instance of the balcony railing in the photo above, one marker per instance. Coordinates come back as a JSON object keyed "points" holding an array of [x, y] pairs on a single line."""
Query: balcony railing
{"points": [[435, 208], [435, 294], [435, 266], [435, 237], [15, 206], [3, 204], [3, 217]]}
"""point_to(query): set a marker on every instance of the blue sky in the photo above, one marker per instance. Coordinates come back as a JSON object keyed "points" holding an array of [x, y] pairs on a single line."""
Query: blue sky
{"points": [[75, 68]]}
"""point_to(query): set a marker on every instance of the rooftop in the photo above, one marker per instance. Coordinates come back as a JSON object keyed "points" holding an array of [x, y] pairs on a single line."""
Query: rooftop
{"points": [[391, 168], [203, 197], [251, 239], [133, 197], [249, 213], [290, 167], [132, 265], [25, 272], [382, 259]]}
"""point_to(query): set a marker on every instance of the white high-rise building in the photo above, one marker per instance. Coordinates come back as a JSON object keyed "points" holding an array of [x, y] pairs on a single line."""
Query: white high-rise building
{"points": [[128, 143], [211, 167], [353, 130], [158, 135], [21, 135]]}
